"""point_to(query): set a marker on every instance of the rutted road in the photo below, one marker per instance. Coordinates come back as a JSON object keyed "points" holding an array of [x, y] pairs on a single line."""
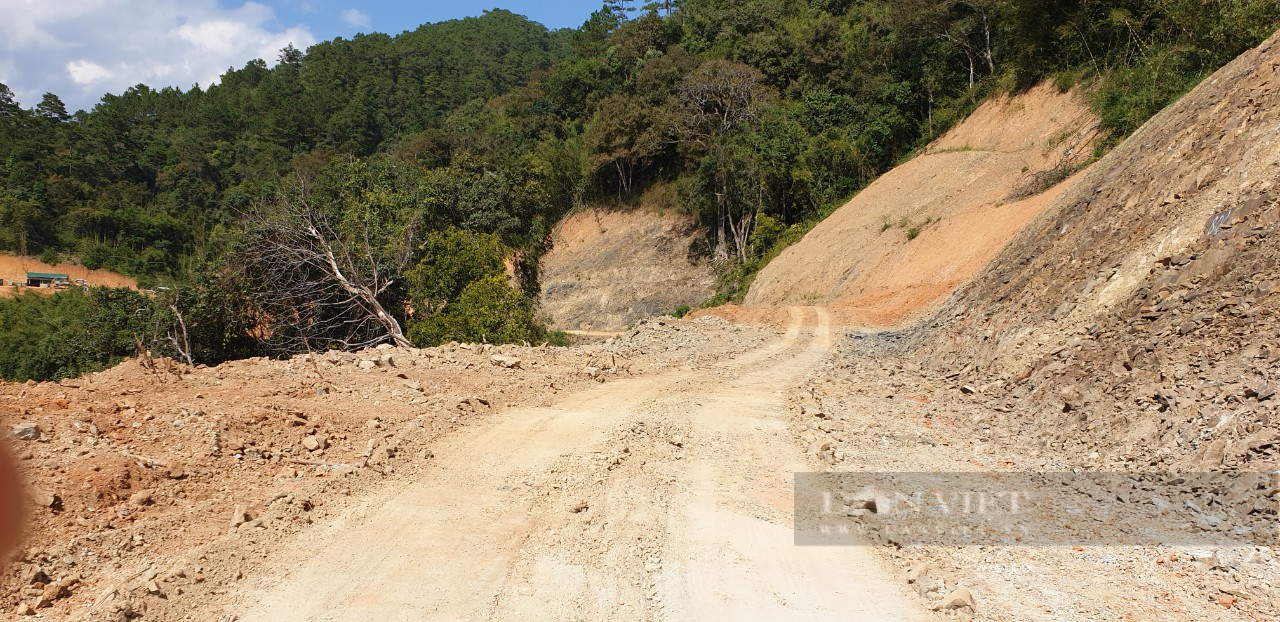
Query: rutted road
{"points": [[665, 497]]}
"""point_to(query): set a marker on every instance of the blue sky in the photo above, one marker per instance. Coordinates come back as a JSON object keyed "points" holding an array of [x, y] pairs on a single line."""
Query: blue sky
{"points": [[331, 18], [80, 49]]}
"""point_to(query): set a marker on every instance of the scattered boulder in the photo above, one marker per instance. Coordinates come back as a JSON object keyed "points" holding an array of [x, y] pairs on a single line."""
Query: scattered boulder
{"points": [[1261, 392], [46, 499], [508, 362], [239, 517], [55, 591], [141, 498], [959, 599], [314, 442], [27, 432], [918, 570], [37, 575]]}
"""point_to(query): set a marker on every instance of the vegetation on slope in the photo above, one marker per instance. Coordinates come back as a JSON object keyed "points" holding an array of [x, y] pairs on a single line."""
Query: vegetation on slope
{"points": [[765, 115]]}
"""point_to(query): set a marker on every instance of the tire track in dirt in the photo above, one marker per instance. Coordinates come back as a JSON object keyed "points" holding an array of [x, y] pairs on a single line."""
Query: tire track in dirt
{"points": [[664, 497]]}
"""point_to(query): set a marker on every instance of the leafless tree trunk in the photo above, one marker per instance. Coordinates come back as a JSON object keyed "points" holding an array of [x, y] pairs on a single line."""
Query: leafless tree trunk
{"points": [[177, 336], [964, 47], [318, 287], [973, 50], [986, 50]]}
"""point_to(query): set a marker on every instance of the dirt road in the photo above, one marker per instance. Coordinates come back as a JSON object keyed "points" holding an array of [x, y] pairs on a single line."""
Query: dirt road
{"points": [[663, 497]]}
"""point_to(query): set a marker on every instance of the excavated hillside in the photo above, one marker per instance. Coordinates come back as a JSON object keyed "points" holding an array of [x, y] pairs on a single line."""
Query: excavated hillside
{"points": [[14, 269], [608, 269], [962, 200], [1133, 322], [1128, 327]]}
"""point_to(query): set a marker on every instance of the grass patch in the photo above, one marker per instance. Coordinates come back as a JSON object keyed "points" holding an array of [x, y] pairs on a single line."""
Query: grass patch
{"points": [[1044, 180], [558, 338]]}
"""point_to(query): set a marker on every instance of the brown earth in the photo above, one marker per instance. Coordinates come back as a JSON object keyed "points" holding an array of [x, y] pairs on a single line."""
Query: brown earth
{"points": [[963, 196], [1129, 327], [609, 268], [1134, 321], [644, 478], [777, 317], [14, 269], [154, 488]]}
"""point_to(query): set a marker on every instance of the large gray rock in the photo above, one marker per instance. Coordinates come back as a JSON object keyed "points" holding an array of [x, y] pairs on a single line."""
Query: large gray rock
{"points": [[26, 432]]}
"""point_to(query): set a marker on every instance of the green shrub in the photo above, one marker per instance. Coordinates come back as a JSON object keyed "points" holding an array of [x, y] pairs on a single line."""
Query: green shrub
{"points": [[70, 333], [768, 230], [558, 338], [488, 310], [451, 260], [1130, 95]]}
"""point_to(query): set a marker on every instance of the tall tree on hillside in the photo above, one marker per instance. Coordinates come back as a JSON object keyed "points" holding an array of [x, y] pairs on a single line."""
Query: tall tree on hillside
{"points": [[716, 101], [966, 25], [625, 135], [9, 106], [52, 108]]}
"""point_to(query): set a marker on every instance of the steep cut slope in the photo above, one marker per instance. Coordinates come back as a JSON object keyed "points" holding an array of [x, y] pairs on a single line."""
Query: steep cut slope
{"points": [[607, 269], [965, 197], [14, 269], [1133, 322]]}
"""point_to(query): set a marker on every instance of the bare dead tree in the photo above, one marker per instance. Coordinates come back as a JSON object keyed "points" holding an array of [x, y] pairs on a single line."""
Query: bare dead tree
{"points": [[177, 335], [320, 287]]}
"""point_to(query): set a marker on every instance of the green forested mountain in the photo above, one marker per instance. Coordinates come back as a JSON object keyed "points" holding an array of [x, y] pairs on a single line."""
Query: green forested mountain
{"points": [[149, 179], [388, 159]]}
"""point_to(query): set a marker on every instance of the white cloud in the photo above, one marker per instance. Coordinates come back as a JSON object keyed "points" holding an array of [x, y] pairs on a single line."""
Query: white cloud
{"points": [[87, 72], [81, 49], [356, 18]]}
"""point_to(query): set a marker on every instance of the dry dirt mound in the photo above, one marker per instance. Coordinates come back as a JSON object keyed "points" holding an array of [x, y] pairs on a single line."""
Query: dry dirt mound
{"points": [[155, 487], [963, 199], [1133, 323], [607, 269], [14, 269]]}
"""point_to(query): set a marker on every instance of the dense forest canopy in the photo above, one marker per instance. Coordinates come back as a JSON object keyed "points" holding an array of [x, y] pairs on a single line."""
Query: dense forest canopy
{"points": [[467, 140]]}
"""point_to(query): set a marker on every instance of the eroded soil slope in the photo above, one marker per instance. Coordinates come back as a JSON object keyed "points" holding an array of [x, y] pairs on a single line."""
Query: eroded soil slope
{"points": [[608, 269], [1133, 323], [965, 197]]}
